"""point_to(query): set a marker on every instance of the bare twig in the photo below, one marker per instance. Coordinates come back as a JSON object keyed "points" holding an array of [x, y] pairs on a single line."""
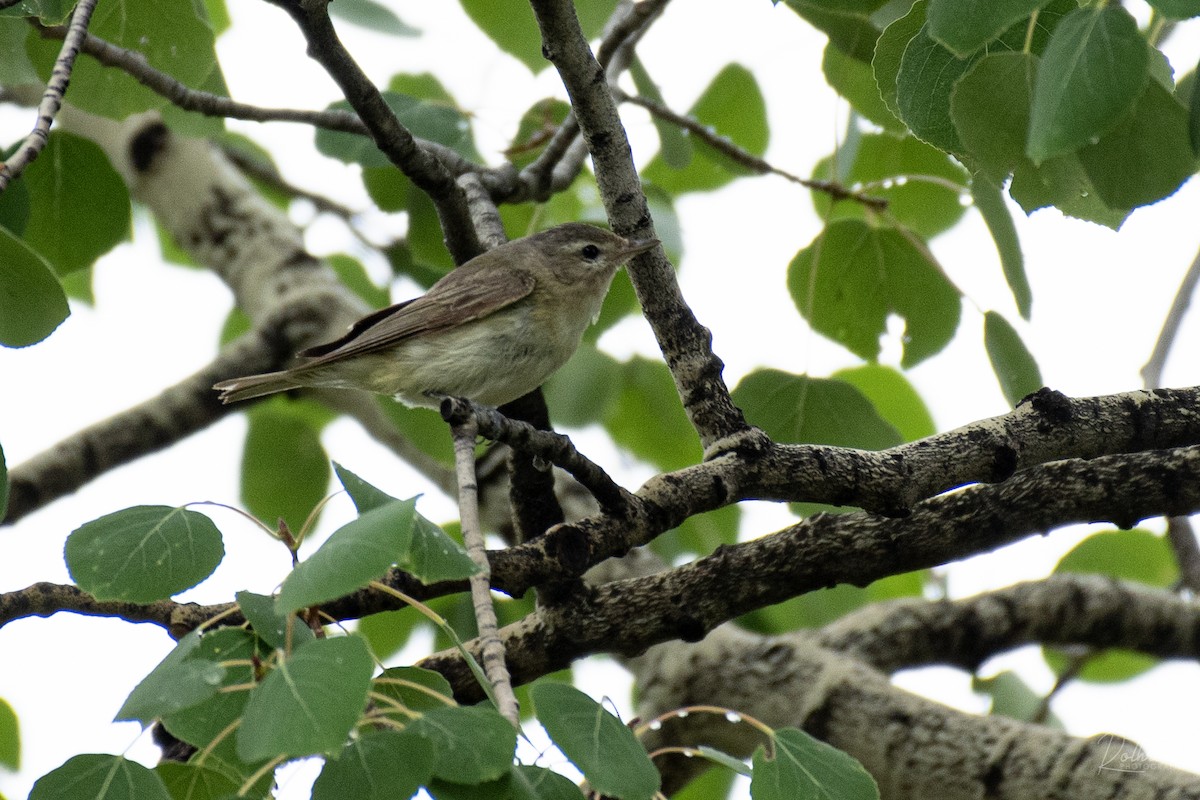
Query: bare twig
{"points": [[1152, 371], [136, 66], [52, 98], [491, 648], [1180, 534], [738, 155]]}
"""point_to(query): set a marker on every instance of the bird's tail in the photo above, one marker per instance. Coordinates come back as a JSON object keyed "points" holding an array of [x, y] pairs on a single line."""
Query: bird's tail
{"points": [[255, 386]]}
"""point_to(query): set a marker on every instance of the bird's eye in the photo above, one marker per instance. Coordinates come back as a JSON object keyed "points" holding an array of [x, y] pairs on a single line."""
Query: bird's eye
{"points": [[590, 252]]}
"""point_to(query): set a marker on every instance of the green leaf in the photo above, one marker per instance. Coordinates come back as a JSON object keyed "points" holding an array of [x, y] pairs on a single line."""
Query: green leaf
{"points": [[894, 399], [511, 25], [1146, 157], [173, 35], [990, 110], [928, 73], [282, 631], [1176, 9], [699, 534], [73, 188], [854, 80], [527, 782], [1012, 697], [1012, 362], [847, 23], [675, 147], [355, 554], [797, 408], [1062, 182], [1132, 555], [32, 303], [15, 67], [203, 722], [373, 16], [144, 553], [412, 689], [733, 107], [538, 124], [585, 388], [437, 121], [1092, 73], [964, 26], [819, 608], [470, 745], [285, 472], [433, 555], [989, 200], [353, 275], [1193, 112], [852, 277], [806, 767], [10, 737], [99, 777], [889, 52], [671, 442], [179, 681], [378, 766], [194, 781], [309, 702], [600, 745], [909, 174]]}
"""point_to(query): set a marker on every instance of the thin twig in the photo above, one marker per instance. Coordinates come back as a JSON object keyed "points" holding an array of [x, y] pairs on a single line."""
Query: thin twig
{"points": [[1153, 370], [52, 98], [1180, 533], [492, 650], [137, 67], [738, 155]]}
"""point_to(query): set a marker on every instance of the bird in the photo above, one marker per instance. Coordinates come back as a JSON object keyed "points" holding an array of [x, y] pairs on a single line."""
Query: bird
{"points": [[491, 330]]}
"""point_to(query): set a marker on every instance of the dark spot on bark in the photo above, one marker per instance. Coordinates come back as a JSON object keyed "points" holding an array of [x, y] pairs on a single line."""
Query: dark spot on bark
{"points": [[568, 545], [147, 145], [1004, 463], [1054, 407]]}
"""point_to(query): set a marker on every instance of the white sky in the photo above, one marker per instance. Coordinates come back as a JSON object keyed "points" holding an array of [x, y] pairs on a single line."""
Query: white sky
{"points": [[1099, 299]]}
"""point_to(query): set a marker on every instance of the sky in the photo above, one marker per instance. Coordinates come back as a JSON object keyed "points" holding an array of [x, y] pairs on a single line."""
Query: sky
{"points": [[1099, 300]]}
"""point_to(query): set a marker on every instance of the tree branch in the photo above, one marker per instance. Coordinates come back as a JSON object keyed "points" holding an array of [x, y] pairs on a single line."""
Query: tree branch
{"points": [[687, 602], [150, 426], [685, 344], [1063, 609]]}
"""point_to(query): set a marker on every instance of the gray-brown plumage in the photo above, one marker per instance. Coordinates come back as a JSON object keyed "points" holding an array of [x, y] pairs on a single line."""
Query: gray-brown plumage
{"points": [[491, 330]]}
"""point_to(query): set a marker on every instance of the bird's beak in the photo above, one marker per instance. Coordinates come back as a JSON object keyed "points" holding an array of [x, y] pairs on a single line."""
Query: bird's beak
{"points": [[635, 247]]}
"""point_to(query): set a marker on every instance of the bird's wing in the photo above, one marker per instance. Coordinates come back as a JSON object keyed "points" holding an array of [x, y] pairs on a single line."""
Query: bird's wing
{"points": [[462, 296]]}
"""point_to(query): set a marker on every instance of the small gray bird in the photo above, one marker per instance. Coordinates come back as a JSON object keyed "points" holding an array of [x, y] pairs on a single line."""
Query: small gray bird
{"points": [[491, 330]]}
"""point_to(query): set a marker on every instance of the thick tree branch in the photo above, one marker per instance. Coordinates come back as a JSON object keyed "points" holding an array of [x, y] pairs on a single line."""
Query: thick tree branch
{"points": [[1090, 610], [1047, 428], [179, 411], [687, 602], [686, 345], [913, 747]]}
